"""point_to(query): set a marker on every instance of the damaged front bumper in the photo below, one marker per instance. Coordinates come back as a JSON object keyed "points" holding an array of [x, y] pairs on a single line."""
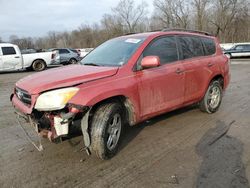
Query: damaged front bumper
{"points": [[53, 125], [34, 129]]}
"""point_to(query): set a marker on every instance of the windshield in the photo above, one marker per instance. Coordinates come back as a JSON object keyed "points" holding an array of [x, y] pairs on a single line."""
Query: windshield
{"points": [[115, 52]]}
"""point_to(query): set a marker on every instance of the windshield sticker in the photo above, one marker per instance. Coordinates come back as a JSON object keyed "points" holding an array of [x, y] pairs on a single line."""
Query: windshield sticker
{"points": [[135, 41]]}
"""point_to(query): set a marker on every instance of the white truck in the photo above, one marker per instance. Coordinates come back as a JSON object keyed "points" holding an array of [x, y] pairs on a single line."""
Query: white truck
{"points": [[12, 59]]}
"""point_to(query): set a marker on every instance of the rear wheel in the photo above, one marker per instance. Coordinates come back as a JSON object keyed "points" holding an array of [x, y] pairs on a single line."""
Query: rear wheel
{"points": [[106, 129], [38, 65], [212, 99]]}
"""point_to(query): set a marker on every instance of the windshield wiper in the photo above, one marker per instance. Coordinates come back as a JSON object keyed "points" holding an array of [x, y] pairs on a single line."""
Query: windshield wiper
{"points": [[92, 64]]}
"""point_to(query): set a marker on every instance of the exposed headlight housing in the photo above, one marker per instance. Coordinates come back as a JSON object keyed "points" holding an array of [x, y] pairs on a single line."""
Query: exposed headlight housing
{"points": [[56, 99]]}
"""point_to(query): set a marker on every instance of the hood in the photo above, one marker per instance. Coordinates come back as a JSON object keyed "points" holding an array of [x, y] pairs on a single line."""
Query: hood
{"points": [[63, 77]]}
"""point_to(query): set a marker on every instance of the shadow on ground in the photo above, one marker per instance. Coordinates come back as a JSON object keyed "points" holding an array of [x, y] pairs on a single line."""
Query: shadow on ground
{"points": [[130, 132], [222, 164]]}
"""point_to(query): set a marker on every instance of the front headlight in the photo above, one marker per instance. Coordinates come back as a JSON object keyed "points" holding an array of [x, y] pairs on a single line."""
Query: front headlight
{"points": [[55, 100]]}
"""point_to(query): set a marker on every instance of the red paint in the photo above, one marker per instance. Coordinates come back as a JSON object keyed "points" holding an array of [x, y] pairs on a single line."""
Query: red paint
{"points": [[151, 91]]}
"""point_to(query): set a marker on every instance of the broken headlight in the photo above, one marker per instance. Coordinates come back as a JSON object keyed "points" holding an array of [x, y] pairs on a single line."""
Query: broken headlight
{"points": [[56, 99]]}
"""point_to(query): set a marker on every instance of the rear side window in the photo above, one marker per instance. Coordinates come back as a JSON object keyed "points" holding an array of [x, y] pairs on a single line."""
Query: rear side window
{"points": [[191, 46], [8, 50], [239, 47], [209, 46], [165, 48], [63, 51], [247, 47], [73, 50]]}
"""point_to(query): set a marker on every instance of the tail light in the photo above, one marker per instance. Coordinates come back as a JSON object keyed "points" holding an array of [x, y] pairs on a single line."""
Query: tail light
{"points": [[78, 52], [53, 55]]}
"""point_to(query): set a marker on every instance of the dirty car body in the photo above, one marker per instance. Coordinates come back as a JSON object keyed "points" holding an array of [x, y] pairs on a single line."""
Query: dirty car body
{"points": [[124, 81]]}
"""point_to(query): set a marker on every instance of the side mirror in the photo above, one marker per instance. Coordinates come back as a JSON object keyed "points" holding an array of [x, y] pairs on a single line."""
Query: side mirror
{"points": [[150, 62]]}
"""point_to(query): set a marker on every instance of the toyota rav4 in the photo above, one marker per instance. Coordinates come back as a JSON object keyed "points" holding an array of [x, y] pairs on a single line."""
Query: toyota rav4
{"points": [[124, 81]]}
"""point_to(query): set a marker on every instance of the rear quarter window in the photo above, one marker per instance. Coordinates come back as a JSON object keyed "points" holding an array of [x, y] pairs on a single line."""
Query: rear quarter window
{"points": [[8, 50], [63, 51], [73, 50], [209, 46]]}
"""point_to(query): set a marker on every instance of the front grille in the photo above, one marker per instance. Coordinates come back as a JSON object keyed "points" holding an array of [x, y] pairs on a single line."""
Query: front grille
{"points": [[23, 96]]}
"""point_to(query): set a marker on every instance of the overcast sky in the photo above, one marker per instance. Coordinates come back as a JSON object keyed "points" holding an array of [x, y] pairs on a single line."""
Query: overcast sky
{"points": [[34, 18]]}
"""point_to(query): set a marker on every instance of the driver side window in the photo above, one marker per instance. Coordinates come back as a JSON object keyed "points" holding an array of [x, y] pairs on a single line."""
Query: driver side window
{"points": [[239, 48], [165, 48]]}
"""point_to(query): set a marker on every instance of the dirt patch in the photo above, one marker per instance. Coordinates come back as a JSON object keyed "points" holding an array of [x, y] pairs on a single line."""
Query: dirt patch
{"points": [[159, 153]]}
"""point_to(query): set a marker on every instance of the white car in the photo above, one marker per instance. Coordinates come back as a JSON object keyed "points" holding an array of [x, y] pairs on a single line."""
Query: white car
{"points": [[12, 59], [238, 50]]}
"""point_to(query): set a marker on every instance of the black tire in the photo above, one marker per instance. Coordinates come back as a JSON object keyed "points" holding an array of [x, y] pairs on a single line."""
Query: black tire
{"points": [[102, 132], [38, 65], [212, 99], [72, 61]]}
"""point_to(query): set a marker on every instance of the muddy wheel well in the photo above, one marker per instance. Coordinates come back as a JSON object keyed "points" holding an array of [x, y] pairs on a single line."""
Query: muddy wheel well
{"points": [[220, 79], [126, 104]]}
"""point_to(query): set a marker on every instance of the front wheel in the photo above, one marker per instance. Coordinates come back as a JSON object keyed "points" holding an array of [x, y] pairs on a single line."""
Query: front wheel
{"points": [[212, 99], [106, 129], [72, 61]]}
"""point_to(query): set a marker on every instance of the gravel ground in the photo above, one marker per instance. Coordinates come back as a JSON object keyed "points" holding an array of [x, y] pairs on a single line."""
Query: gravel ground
{"points": [[184, 148]]}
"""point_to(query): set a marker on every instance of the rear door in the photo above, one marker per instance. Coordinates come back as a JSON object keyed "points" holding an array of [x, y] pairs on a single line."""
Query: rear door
{"points": [[198, 64], [161, 88], [10, 58]]}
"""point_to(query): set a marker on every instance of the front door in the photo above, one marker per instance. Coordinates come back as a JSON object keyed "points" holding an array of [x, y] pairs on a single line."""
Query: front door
{"points": [[10, 58], [161, 88]]}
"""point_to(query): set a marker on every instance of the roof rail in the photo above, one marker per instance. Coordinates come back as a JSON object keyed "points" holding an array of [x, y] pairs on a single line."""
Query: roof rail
{"points": [[132, 33], [188, 30]]}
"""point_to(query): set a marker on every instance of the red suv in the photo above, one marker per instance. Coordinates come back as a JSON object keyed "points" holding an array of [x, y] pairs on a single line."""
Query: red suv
{"points": [[125, 80]]}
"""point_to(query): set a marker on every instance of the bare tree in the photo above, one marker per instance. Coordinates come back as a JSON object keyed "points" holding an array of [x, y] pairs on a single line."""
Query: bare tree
{"points": [[224, 14], [52, 39], [112, 26], [228, 19], [201, 8], [1, 40], [173, 13], [130, 15]]}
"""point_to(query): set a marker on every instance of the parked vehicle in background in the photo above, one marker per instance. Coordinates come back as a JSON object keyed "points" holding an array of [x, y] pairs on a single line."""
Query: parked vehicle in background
{"points": [[12, 59], [68, 56], [239, 50], [125, 80], [84, 51]]}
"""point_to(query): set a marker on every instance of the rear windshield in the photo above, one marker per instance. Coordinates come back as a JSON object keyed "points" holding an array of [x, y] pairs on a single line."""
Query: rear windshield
{"points": [[115, 52]]}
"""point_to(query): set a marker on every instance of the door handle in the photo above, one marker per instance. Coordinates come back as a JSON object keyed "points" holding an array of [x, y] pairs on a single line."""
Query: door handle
{"points": [[210, 64], [17, 56], [179, 71]]}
